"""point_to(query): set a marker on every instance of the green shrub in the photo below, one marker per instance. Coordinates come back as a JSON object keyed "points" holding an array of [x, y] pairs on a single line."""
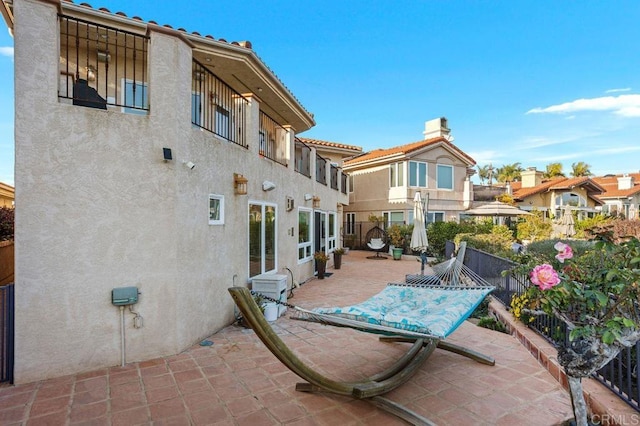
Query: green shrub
{"points": [[440, 232], [492, 324], [497, 242], [534, 227], [545, 247], [584, 226], [6, 223]]}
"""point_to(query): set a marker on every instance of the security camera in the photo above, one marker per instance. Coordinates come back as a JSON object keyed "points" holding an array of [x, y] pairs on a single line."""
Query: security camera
{"points": [[268, 186], [189, 164]]}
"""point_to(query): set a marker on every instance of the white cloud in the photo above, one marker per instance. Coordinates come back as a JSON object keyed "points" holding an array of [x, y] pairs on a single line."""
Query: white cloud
{"points": [[626, 89], [6, 51], [624, 105]]}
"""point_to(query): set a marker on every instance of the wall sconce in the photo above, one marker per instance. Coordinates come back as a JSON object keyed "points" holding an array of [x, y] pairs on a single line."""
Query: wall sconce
{"points": [[316, 202], [189, 164], [103, 56], [308, 197], [240, 184], [91, 73]]}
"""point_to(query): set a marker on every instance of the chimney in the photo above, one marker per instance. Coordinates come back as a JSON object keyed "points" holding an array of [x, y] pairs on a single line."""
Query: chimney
{"points": [[625, 182], [436, 127], [531, 177]]}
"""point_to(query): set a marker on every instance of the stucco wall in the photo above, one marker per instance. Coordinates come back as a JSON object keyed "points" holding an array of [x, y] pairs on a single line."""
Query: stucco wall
{"points": [[371, 188], [98, 208]]}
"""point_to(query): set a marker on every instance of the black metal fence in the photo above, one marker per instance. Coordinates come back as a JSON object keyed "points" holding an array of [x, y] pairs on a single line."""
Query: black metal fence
{"points": [[7, 315], [620, 375]]}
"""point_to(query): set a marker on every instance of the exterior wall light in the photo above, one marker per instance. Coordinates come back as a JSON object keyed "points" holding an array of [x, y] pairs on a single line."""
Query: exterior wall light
{"points": [[240, 184], [316, 202]]}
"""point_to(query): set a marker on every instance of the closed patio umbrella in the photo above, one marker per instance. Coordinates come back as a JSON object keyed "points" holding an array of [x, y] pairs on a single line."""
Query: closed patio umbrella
{"points": [[567, 224], [419, 241]]}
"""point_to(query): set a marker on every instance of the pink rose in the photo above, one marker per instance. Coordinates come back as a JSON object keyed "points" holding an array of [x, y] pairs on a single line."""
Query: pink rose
{"points": [[544, 276], [564, 251]]}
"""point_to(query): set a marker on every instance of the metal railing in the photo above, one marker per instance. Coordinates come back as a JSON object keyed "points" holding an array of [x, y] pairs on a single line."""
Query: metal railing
{"points": [[321, 169], [273, 140], [333, 173], [302, 158], [103, 66], [7, 315], [216, 107], [343, 182], [620, 375]]}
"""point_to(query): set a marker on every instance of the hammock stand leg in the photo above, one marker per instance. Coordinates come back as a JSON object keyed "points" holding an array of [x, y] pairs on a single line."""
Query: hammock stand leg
{"points": [[369, 389], [460, 350]]}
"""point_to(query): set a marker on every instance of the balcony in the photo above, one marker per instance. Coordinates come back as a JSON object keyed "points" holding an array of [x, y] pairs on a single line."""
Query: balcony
{"points": [[216, 107], [272, 140], [103, 67]]}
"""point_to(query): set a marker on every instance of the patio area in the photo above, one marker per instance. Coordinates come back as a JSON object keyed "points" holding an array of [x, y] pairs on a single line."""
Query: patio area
{"points": [[237, 381]]}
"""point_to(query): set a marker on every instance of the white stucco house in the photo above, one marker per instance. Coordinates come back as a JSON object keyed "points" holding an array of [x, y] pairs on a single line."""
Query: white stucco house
{"points": [[154, 158]]}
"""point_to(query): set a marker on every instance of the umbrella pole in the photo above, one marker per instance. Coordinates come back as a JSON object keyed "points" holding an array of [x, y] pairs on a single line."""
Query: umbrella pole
{"points": [[423, 260]]}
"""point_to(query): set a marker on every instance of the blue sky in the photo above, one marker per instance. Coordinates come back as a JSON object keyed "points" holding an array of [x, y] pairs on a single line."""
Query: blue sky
{"points": [[532, 82]]}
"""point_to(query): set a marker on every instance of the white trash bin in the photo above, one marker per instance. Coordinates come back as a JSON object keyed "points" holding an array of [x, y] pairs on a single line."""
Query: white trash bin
{"points": [[271, 312]]}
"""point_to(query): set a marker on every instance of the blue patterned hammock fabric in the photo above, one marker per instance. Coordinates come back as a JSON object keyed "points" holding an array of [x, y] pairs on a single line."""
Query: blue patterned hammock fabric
{"points": [[432, 311]]}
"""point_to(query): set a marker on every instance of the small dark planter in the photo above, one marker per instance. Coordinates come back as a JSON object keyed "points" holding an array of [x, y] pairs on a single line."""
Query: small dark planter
{"points": [[337, 260], [321, 267]]}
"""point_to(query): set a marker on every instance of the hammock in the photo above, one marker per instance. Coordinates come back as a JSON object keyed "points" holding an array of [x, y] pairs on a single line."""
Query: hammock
{"points": [[418, 311], [422, 314]]}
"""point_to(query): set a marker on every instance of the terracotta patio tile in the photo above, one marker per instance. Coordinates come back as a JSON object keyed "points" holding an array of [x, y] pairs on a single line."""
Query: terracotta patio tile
{"points": [[12, 415], [90, 397], [287, 412], [135, 416], [48, 406], [53, 419], [210, 415], [166, 409], [17, 400], [86, 412], [125, 389], [153, 382], [257, 418], [162, 394], [242, 406], [127, 402]]}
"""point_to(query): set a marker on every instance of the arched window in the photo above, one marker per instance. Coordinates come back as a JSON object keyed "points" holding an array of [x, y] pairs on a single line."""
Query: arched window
{"points": [[569, 199]]}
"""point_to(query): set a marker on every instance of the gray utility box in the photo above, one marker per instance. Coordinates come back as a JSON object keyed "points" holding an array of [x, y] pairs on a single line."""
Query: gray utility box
{"points": [[123, 296], [271, 285]]}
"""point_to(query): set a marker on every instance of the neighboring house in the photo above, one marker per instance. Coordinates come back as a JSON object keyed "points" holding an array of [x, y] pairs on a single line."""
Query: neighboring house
{"points": [[534, 192], [384, 181], [7, 195], [153, 158], [621, 194]]}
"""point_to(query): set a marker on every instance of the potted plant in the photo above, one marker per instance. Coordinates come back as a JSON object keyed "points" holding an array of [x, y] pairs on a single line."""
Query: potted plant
{"points": [[337, 258], [321, 263], [595, 295], [396, 239]]}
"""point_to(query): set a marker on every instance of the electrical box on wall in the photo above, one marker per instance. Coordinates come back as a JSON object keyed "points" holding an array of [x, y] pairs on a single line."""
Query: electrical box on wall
{"points": [[122, 296]]}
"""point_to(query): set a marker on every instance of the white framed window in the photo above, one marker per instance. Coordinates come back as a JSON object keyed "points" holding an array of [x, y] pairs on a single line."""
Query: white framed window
{"points": [[393, 218], [135, 97], [216, 209], [351, 186], [332, 230], [396, 174], [350, 224], [262, 238], [444, 176], [305, 231], [435, 217], [418, 174]]}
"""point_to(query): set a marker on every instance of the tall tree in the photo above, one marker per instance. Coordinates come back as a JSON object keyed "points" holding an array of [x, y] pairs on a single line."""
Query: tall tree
{"points": [[580, 169], [509, 172], [483, 173], [554, 170]]}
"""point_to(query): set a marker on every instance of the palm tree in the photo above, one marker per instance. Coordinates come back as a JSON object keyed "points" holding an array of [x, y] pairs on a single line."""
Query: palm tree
{"points": [[483, 173], [580, 169], [554, 170], [509, 172]]}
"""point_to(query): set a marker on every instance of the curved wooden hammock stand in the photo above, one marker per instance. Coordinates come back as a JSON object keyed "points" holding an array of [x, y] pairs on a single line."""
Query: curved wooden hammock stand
{"points": [[371, 388]]}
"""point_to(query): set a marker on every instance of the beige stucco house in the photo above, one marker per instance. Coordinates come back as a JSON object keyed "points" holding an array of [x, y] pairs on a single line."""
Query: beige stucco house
{"points": [[153, 158], [534, 192], [7, 195], [621, 194], [384, 181]]}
